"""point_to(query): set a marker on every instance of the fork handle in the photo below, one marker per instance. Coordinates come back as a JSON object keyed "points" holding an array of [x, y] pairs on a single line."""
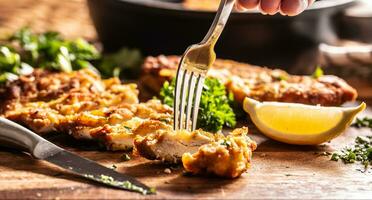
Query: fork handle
{"points": [[219, 22]]}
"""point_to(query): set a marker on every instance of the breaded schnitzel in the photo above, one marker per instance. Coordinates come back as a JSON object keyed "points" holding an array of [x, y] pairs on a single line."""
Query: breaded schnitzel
{"points": [[259, 83], [85, 106]]}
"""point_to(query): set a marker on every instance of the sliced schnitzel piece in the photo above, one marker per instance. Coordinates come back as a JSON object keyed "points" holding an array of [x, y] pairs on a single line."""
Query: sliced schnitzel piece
{"points": [[117, 126], [169, 146], [113, 126], [228, 156], [259, 83], [200, 152]]}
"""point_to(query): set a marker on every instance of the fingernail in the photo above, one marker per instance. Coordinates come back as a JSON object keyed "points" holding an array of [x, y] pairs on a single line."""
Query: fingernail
{"points": [[293, 7], [282, 13], [239, 8]]}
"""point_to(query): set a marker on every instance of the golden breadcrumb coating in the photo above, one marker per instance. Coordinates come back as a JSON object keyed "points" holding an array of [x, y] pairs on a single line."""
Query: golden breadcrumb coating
{"points": [[75, 90], [259, 83], [200, 152], [43, 99], [228, 157], [114, 126], [89, 108]]}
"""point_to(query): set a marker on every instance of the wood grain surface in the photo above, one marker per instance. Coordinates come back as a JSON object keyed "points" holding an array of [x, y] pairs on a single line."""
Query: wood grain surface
{"points": [[70, 17], [278, 171]]}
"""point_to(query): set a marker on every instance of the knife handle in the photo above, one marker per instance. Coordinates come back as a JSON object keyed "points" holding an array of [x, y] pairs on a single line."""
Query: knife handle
{"points": [[16, 136]]}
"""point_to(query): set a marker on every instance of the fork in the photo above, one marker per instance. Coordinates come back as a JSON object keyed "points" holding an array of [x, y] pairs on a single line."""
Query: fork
{"points": [[193, 68]]}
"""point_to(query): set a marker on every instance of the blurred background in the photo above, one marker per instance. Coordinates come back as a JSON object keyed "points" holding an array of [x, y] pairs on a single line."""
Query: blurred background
{"points": [[335, 34]]}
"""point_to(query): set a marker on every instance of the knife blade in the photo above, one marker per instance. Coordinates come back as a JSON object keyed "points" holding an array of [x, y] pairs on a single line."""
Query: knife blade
{"points": [[96, 172], [16, 136]]}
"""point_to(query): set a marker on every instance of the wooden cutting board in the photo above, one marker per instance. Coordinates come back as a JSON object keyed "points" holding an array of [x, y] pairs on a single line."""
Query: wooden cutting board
{"points": [[278, 171]]}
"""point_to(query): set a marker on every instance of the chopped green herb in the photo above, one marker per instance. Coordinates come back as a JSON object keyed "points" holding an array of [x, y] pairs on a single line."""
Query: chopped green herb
{"points": [[114, 167], [129, 129], [361, 152], [318, 72], [89, 176], [283, 78], [226, 143], [125, 184], [107, 179], [125, 157], [215, 108], [280, 76], [363, 122], [165, 120]]}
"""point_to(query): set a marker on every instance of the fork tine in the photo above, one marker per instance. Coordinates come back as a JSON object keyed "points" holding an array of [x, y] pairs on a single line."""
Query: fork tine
{"points": [[198, 58], [191, 93], [185, 85], [198, 92], [179, 80]]}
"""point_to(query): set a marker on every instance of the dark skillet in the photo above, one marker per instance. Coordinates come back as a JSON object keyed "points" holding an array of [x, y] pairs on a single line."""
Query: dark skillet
{"points": [[161, 27]]}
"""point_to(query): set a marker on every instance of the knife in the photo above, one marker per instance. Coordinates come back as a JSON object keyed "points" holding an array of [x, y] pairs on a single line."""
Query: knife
{"points": [[16, 136]]}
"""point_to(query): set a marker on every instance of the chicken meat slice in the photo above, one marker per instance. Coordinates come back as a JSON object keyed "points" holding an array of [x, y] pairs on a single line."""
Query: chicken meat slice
{"points": [[168, 145], [228, 156], [114, 126], [200, 152]]}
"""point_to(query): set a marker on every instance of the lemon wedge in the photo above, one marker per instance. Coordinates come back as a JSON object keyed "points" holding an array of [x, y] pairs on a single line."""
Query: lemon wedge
{"points": [[300, 124]]}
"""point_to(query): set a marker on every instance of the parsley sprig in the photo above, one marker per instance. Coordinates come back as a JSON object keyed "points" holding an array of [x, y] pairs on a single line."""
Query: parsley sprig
{"points": [[215, 109]]}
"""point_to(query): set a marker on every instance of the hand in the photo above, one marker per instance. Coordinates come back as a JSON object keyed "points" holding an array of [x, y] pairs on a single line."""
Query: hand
{"points": [[271, 7]]}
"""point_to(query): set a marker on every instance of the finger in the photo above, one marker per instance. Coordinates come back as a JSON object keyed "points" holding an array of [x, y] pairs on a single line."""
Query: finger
{"points": [[293, 7], [249, 4], [270, 7], [239, 8]]}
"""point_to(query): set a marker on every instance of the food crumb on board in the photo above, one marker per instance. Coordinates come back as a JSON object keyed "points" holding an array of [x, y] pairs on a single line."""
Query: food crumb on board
{"points": [[38, 194], [125, 157], [325, 153], [113, 167], [167, 171], [263, 155]]}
